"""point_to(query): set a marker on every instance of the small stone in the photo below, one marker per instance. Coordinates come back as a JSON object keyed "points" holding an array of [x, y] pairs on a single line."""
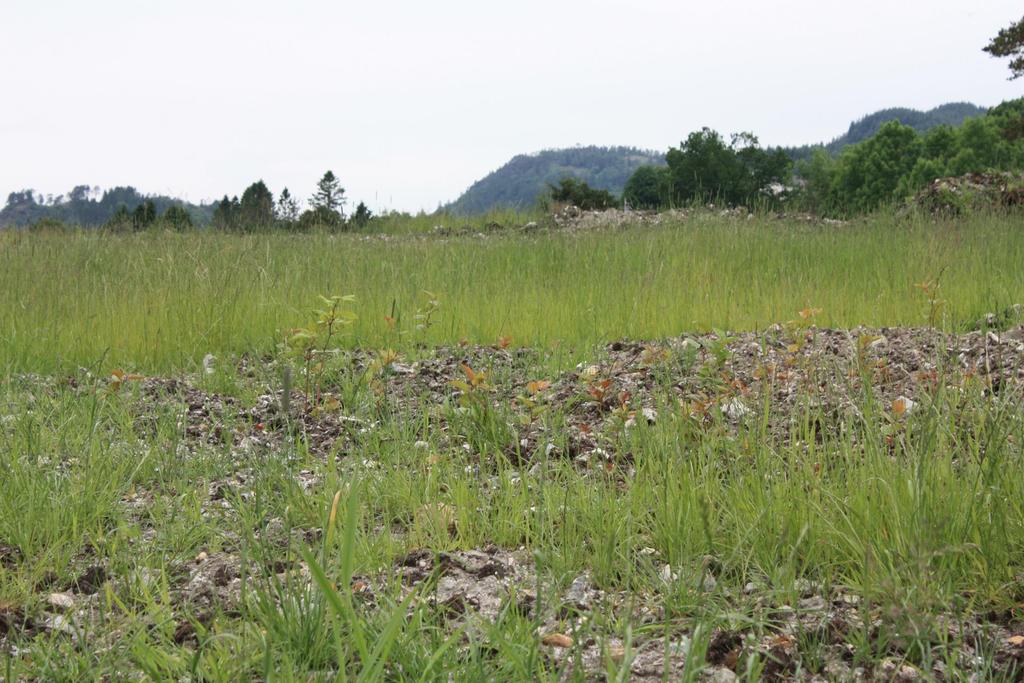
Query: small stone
{"points": [[850, 599], [735, 409], [908, 673], [557, 640], [579, 594], [58, 623], [813, 604], [903, 406], [421, 445], [722, 675], [62, 601]]}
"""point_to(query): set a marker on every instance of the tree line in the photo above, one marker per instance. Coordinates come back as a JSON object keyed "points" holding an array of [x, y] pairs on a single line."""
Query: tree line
{"points": [[891, 165], [85, 205], [257, 209], [125, 209]]}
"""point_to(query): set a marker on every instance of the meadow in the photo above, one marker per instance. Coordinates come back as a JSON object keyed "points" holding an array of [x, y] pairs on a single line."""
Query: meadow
{"points": [[710, 449], [162, 301]]}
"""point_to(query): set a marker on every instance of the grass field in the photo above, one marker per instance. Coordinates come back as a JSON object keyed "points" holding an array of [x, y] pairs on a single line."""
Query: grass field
{"points": [[790, 502], [162, 301]]}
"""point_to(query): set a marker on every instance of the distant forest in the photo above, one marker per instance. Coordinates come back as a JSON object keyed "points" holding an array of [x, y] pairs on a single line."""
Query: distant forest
{"points": [[86, 205], [949, 114]]}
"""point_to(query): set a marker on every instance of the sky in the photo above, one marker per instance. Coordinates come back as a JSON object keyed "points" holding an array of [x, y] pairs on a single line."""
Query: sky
{"points": [[410, 102]]}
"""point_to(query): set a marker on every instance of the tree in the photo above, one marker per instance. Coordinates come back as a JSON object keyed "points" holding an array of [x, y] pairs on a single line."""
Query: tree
{"points": [[80, 193], [578, 193], [121, 219], [761, 171], [177, 217], [144, 215], [869, 173], [329, 195], [1009, 117], [287, 207], [320, 217], [648, 188], [704, 167], [1009, 42], [256, 210], [225, 216], [817, 173], [362, 216]]}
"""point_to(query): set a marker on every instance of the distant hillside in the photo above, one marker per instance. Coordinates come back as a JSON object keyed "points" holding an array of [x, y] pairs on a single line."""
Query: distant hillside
{"points": [[950, 114], [518, 183], [88, 206]]}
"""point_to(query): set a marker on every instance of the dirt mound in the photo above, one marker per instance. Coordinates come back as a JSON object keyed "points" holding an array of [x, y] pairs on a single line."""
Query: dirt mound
{"points": [[778, 378], [959, 194]]}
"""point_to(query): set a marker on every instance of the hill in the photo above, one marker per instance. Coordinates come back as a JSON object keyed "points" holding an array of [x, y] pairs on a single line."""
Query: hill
{"points": [[88, 206], [518, 183], [949, 114]]}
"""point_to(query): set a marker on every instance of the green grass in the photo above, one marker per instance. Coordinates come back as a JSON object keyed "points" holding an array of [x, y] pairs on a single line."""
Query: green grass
{"points": [[162, 301], [920, 517], [926, 525]]}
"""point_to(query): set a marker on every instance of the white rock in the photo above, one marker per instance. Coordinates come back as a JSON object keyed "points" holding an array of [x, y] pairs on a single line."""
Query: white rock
{"points": [[58, 623], [63, 601], [735, 409], [722, 675], [908, 405]]}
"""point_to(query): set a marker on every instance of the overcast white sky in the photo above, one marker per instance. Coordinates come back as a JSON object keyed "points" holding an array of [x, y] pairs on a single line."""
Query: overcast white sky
{"points": [[410, 102]]}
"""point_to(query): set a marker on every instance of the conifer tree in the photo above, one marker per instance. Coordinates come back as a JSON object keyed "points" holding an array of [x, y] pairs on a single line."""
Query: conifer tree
{"points": [[329, 195]]}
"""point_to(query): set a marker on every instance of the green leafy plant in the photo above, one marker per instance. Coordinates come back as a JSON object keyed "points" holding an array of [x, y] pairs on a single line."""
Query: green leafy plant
{"points": [[424, 315], [311, 345]]}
